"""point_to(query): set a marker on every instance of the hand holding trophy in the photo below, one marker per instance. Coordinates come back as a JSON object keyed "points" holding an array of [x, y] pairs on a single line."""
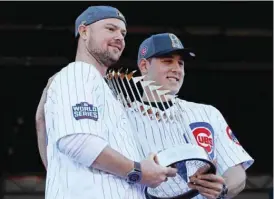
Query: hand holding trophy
{"points": [[189, 159]]}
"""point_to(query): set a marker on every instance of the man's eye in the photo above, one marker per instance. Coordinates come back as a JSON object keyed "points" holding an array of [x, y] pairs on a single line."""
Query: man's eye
{"points": [[167, 61], [110, 29]]}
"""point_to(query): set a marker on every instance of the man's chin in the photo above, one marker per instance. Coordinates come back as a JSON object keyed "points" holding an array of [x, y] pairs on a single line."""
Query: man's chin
{"points": [[112, 59], [173, 91], [115, 58]]}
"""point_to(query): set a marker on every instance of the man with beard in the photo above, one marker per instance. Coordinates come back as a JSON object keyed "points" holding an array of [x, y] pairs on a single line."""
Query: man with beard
{"points": [[91, 151]]}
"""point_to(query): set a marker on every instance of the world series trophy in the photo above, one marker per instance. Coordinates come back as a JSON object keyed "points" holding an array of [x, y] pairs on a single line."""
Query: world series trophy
{"points": [[188, 158]]}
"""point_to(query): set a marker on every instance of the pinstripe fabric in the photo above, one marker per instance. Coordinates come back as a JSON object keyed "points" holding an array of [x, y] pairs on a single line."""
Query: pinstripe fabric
{"points": [[66, 179], [153, 136]]}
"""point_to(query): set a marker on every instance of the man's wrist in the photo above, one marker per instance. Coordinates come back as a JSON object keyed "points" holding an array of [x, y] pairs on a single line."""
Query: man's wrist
{"points": [[130, 167], [135, 175], [224, 192]]}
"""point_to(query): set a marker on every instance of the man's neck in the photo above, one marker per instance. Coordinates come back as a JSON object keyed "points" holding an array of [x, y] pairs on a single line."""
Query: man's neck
{"points": [[89, 59], [157, 103], [149, 97]]}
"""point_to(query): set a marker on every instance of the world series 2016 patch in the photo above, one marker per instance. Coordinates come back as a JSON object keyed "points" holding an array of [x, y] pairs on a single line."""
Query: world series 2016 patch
{"points": [[85, 110]]}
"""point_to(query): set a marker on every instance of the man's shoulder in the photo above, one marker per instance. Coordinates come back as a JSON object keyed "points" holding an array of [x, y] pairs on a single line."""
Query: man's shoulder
{"points": [[78, 67], [194, 105], [73, 72], [79, 70], [194, 108]]}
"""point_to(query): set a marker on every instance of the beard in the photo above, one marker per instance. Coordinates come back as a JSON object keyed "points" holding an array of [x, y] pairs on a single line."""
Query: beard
{"points": [[104, 57]]}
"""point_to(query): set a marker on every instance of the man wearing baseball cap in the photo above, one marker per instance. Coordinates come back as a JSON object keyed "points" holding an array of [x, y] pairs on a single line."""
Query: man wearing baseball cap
{"points": [[91, 150], [161, 59]]}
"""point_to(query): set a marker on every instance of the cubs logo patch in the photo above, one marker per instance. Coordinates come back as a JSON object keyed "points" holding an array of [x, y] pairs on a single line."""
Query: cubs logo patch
{"points": [[231, 135], [204, 136], [85, 110]]}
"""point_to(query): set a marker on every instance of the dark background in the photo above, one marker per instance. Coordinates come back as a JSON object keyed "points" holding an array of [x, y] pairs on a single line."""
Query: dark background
{"points": [[233, 73]]}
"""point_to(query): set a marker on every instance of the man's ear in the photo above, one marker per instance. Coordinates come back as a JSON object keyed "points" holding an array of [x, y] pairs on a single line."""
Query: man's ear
{"points": [[143, 66], [83, 31]]}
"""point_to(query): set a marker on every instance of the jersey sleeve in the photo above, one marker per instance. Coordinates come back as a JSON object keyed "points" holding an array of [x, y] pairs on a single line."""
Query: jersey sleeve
{"points": [[78, 104], [229, 150]]}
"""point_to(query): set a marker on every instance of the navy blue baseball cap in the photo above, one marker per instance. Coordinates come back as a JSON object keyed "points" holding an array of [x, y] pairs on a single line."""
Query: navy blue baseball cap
{"points": [[162, 44], [96, 13]]}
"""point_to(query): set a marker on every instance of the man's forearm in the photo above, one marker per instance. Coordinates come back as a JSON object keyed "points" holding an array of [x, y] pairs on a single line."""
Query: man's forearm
{"points": [[235, 178], [41, 140], [94, 152], [41, 127], [113, 162]]}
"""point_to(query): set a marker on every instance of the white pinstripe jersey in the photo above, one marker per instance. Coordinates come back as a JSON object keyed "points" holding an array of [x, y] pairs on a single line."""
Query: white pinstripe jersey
{"points": [[79, 101], [199, 124]]}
